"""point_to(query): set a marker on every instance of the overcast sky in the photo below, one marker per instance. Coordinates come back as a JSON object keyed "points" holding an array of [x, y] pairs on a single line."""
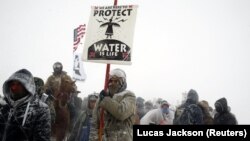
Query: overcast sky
{"points": [[178, 45]]}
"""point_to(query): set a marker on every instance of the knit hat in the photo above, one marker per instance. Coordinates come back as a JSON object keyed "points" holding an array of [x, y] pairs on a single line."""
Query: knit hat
{"points": [[118, 73]]}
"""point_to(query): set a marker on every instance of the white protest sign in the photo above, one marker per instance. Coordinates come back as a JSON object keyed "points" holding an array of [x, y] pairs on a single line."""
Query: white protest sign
{"points": [[109, 35]]}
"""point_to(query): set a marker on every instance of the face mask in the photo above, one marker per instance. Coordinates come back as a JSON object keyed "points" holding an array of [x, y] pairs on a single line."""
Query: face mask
{"points": [[218, 107], [165, 110]]}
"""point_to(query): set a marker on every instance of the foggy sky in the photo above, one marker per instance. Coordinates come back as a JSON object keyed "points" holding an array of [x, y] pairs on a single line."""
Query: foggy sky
{"points": [[178, 45]]}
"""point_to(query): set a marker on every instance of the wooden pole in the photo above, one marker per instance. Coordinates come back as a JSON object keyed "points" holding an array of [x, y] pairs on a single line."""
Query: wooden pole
{"points": [[115, 2], [105, 89], [102, 110]]}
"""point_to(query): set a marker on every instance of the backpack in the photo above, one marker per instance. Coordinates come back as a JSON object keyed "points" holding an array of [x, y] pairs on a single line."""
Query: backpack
{"points": [[188, 115]]}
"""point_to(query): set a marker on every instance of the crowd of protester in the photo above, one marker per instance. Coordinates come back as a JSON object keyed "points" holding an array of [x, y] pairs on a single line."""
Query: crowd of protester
{"points": [[28, 110]]}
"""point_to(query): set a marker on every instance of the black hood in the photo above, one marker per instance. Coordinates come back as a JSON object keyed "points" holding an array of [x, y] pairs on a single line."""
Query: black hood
{"points": [[222, 102], [192, 97]]}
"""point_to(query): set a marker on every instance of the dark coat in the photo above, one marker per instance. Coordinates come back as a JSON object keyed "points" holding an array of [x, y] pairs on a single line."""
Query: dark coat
{"points": [[189, 113], [26, 119], [37, 124], [224, 116]]}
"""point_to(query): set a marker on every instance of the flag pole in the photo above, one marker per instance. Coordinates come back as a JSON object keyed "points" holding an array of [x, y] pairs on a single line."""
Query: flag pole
{"points": [[105, 89]]}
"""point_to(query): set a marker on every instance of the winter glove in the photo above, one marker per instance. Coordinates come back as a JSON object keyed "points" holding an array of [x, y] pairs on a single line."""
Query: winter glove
{"points": [[48, 91], [102, 95]]}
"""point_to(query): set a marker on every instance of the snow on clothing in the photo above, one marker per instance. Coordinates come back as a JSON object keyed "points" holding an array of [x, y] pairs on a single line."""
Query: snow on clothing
{"points": [[223, 115], [189, 113], [118, 117], [2, 102], [156, 117], [26, 118]]}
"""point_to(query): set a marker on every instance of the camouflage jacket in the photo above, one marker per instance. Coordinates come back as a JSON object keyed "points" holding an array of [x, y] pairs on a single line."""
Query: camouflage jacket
{"points": [[119, 114]]}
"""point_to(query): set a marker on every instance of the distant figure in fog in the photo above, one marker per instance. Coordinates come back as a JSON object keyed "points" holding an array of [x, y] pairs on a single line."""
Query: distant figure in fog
{"points": [[61, 87], [207, 118], [54, 81], [82, 125], [159, 116], [223, 116], [48, 99], [39, 86], [140, 107], [189, 113], [148, 106]]}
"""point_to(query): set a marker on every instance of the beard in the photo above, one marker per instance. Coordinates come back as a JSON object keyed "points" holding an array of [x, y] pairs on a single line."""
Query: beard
{"points": [[114, 89]]}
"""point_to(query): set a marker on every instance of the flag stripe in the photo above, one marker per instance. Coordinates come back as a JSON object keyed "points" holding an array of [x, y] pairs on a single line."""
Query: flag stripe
{"points": [[78, 34]]}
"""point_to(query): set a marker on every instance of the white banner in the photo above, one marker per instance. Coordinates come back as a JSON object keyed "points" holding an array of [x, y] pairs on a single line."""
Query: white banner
{"points": [[109, 35], [78, 70]]}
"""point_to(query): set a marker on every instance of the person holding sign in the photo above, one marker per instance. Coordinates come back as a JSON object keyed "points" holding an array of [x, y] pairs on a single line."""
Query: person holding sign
{"points": [[119, 105]]}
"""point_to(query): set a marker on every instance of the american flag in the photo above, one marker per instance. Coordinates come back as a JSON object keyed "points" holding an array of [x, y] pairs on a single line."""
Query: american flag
{"points": [[78, 34]]}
